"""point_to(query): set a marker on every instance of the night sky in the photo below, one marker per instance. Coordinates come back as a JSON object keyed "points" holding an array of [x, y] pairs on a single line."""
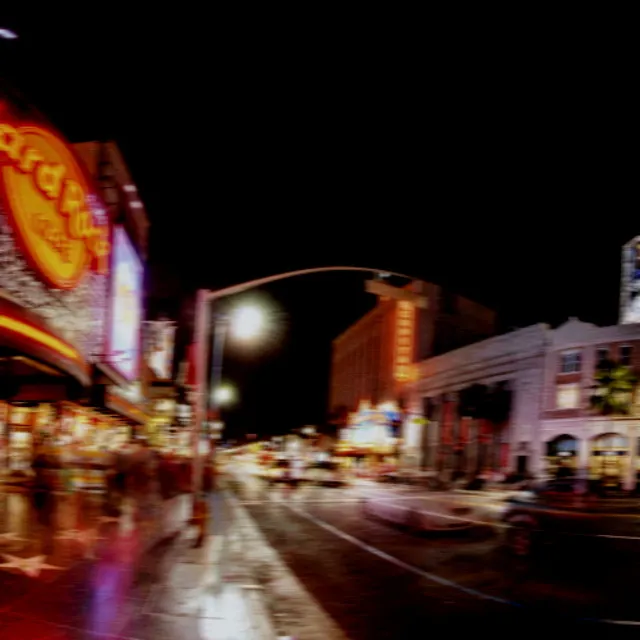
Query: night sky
{"points": [[508, 179]]}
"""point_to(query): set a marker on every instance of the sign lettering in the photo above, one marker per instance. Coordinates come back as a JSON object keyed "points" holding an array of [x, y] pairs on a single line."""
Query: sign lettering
{"points": [[46, 193]]}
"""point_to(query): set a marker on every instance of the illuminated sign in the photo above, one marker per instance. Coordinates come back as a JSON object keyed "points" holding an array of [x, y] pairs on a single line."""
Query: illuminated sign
{"points": [[123, 349], [630, 285], [47, 196], [159, 341], [39, 336], [404, 341]]}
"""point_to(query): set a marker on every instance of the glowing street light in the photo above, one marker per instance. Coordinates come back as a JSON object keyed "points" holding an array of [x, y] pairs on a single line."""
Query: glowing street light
{"points": [[247, 322], [7, 34], [224, 394]]}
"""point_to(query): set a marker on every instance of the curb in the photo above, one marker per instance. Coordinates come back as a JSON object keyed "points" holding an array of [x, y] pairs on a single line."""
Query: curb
{"points": [[260, 618], [305, 618]]}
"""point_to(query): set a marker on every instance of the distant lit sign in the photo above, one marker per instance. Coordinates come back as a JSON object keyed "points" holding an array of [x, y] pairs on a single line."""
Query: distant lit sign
{"points": [[123, 352], [404, 340], [159, 341], [49, 201], [630, 286]]}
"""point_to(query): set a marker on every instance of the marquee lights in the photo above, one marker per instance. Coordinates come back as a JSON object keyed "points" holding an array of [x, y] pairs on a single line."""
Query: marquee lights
{"points": [[404, 340]]}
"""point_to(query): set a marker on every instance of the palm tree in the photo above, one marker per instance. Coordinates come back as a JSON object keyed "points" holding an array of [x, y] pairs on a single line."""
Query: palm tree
{"points": [[613, 391]]}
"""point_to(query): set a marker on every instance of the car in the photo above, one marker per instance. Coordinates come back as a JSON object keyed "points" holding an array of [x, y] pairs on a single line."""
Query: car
{"points": [[569, 512], [278, 471], [326, 473]]}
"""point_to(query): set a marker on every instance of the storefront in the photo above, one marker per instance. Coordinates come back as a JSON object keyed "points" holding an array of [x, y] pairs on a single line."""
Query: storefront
{"points": [[609, 459], [55, 261], [562, 456]]}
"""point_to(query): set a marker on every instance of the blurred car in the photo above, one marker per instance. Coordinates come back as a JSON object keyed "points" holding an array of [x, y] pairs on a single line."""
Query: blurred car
{"points": [[325, 473], [278, 471], [570, 512]]}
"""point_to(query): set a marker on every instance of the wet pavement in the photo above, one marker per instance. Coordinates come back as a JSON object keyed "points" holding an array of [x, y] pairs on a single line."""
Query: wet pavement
{"points": [[378, 581], [68, 571]]}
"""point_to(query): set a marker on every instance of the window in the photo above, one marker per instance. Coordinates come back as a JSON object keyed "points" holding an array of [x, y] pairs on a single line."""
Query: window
{"points": [[568, 396], [625, 355], [570, 362], [602, 355]]}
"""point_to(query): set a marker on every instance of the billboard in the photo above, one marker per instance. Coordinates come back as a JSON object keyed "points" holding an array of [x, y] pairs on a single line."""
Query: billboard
{"points": [[159, 340], [630, 285], [123, 346]]}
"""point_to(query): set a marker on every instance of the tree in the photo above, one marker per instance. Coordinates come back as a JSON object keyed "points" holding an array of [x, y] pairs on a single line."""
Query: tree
{"points": [[613, 389]]}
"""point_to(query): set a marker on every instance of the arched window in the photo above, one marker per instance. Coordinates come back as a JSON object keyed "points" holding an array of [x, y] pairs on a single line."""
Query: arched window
{"points": [[562, 446]]}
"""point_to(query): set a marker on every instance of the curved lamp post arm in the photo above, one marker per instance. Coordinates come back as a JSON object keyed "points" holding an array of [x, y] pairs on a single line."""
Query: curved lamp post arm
{"points": [[202, 319]]}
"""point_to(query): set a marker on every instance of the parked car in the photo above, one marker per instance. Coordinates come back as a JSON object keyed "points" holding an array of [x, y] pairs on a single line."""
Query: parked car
{"points": [[325, 473], [570, 511]]}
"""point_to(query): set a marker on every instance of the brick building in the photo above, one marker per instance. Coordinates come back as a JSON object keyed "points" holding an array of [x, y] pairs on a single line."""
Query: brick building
{"points": [[372, 360]]}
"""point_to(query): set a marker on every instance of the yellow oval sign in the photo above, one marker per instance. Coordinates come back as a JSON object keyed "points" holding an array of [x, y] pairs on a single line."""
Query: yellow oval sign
{"points": [[45, 191]]}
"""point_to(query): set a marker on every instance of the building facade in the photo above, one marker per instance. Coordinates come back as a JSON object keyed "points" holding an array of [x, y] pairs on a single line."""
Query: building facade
{"points": [[373, 359], [523, 402], [572, 433], [477, 408], [71, 290]]}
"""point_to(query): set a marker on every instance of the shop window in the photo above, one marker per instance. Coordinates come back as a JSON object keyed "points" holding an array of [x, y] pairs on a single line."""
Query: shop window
{"points": [[570, 362], [568, 396], [625, 355]]}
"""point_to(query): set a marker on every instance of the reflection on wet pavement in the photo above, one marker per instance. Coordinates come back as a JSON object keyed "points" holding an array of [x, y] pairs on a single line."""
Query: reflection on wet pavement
{"points": [[67, 571]]}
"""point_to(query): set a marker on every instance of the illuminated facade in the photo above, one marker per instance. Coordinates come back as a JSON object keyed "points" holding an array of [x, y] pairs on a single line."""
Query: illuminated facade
{"points": [[373, 359], [56, 268]]}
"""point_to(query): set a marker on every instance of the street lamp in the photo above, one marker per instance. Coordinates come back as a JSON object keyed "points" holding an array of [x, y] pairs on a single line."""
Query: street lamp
{"points": [[203, 314], [245, 323], [223, 395]]}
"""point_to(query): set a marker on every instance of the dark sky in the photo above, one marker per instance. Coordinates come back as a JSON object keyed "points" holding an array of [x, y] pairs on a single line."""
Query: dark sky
{"points": [[507, 173]]}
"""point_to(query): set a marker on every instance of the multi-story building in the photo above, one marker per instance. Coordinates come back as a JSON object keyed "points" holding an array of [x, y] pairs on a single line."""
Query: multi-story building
{"points": [[523, 402], [372, 360], [481, 404], [572, 433]]}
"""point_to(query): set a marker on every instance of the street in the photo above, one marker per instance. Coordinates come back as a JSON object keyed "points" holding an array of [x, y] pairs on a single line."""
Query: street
{"points": [[376, 580]]}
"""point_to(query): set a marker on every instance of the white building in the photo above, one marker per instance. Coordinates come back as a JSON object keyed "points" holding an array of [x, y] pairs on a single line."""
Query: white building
{"points": [[546, 376], [593, 444], [453, 441]]}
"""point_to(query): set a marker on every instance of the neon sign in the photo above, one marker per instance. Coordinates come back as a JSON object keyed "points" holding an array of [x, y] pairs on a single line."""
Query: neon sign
{"points": [[47, 195], [39, 336], [404, 340]]}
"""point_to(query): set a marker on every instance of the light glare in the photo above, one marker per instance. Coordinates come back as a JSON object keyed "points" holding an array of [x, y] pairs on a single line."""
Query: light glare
{"points": [[247, 322]]}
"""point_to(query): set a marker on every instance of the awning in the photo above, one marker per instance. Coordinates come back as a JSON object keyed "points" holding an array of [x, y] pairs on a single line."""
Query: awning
{"points": [[102, 398], [23, 332]]}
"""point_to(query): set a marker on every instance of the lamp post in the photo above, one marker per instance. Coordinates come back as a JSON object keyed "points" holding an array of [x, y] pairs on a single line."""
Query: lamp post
{"points": [[204, 299], [243, 323]]}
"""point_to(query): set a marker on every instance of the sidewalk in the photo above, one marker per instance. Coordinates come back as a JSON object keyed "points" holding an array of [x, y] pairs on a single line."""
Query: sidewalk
{"points": [[67, 572]]}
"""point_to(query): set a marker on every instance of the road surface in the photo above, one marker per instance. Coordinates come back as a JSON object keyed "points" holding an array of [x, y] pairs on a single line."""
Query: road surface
{"points": [[379, 581]]}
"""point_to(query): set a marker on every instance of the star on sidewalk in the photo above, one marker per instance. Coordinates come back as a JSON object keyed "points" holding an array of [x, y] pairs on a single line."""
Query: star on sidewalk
{"points": [[29, 566], [86, 537], [11, 537]]}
